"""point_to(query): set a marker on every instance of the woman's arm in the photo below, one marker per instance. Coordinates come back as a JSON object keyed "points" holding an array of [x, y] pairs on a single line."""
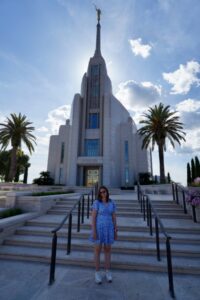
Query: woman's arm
{"points": [[114, 221], [115, 225], [94, 230]]}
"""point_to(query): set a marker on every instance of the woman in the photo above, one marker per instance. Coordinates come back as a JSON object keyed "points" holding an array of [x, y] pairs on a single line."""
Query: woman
{"points": [[104, 231]]}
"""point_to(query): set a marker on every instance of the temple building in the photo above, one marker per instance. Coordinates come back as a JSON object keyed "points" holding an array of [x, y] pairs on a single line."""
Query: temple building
{"points": [[100, 142]]}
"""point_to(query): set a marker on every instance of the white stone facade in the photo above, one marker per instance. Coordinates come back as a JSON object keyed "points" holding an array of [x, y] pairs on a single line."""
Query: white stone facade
{"points": [[100, 141]]}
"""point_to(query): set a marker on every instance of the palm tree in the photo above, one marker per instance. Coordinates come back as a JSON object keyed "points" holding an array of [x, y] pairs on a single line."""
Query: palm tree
{"points": [[16, 130], [159, 124]]}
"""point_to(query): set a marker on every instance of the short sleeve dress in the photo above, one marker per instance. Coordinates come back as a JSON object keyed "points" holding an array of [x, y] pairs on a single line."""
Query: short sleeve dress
{"points": [[104, 222]]}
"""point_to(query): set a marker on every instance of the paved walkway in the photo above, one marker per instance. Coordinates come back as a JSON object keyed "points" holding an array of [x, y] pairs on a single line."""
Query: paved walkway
{"points": [[29, 281]]}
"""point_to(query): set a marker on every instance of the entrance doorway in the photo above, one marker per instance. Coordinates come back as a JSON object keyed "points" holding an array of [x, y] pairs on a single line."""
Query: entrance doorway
{"points": [[91, 176]]}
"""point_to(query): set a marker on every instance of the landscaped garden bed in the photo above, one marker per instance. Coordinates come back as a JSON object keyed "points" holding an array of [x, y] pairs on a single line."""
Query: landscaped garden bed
{"points": [[53, 193], [10, 212]]}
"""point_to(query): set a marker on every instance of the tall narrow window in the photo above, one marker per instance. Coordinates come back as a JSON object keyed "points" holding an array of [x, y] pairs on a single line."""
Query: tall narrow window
{"points": [[60, 175], [91, 147], [94, 70], [126, 175], [94, 86], [126, 154], [93, 120], [62, 152]]}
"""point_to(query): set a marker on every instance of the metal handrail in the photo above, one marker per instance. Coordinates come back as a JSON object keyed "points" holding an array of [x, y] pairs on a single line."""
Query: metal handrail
{"points": [[81, 204], [147, 208], [176, 188]]}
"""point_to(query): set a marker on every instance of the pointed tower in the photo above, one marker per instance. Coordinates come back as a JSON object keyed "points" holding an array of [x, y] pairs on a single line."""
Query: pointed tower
{"points": [[100, 143]]}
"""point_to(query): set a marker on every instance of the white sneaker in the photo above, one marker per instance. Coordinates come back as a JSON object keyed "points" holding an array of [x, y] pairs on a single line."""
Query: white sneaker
{"points": [[108, 276], [98, 278]]}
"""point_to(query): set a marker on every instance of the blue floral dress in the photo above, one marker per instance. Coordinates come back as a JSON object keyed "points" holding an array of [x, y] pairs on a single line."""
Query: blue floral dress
{"points": [[104, 222]]}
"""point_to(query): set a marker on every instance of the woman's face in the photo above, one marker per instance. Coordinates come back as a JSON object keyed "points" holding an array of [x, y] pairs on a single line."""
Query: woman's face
{"points": [[103, 193]]}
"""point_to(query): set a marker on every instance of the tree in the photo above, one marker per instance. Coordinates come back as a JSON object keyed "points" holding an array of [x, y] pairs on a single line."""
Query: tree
{"points": [[160, 124], [145, 178], [4, 165], [22, 164], [189, 178], [44, 179], [168, 178], [16, 130], [197, 166], [193, 171]]}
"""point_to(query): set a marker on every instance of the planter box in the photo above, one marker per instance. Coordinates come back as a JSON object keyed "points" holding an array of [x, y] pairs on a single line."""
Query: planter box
{"points": [[9, 225], [164, 189]]}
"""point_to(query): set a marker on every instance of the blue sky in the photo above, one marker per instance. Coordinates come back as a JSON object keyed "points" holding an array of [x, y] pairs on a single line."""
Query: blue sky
{"points": [[151, 48]]}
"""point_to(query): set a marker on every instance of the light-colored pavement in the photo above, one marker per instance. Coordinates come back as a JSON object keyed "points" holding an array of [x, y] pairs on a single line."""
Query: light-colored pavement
{"points": [[29, 281]]}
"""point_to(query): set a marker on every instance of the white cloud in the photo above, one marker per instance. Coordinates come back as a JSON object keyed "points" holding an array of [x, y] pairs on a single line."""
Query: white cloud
{"points": [[183, 78], [58, 117], [135, 95], [43, 140], [42, 129], [188, 105], [192, 144], [189, 111], [140, 49]]}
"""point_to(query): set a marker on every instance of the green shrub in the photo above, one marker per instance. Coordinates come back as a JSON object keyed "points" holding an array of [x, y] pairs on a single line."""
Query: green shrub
{"points": [[44, 179], [52, 193], [10, 212]]}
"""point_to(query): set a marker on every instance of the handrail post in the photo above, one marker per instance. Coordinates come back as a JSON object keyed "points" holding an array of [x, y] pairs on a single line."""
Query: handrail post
{"points": [[177, 200], [150, 219], [83, 204], [147, 207], [88, 206], [157, 239], [169, 267], [53, 259], [194, 214], [92, 196], [173, 192], [96, 190], [144, 207], [138, 192], [141, 202], [69, 234], [184, 204], [79, 216]]}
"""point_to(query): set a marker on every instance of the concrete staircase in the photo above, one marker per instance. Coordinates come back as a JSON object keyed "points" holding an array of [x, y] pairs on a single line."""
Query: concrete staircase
{"points": [[134, 250]]}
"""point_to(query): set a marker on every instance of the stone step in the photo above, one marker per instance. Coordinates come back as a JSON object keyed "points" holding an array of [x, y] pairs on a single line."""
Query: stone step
{"points": [[122, 235], [122, 247], [46, 222], [123, 204], [121, 209], [85, 259], [170, 215]]}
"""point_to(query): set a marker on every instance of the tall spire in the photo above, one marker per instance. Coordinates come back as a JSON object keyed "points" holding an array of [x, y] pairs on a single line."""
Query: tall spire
{"points": [[98, 36]]}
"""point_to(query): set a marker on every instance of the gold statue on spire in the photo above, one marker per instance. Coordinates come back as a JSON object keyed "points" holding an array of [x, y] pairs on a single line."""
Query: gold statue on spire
{"points": [[98, 13]]}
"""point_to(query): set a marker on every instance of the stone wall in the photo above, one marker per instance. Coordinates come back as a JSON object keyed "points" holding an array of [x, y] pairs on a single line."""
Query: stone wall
{"points": [[157, 188]]}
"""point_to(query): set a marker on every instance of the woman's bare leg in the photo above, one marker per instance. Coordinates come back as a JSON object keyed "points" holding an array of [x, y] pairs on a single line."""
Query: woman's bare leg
{"points": [[107, 255], [97, 252]]}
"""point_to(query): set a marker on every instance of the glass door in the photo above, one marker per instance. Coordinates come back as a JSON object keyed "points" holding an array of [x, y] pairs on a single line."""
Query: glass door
{"points": [[91, 176]]}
